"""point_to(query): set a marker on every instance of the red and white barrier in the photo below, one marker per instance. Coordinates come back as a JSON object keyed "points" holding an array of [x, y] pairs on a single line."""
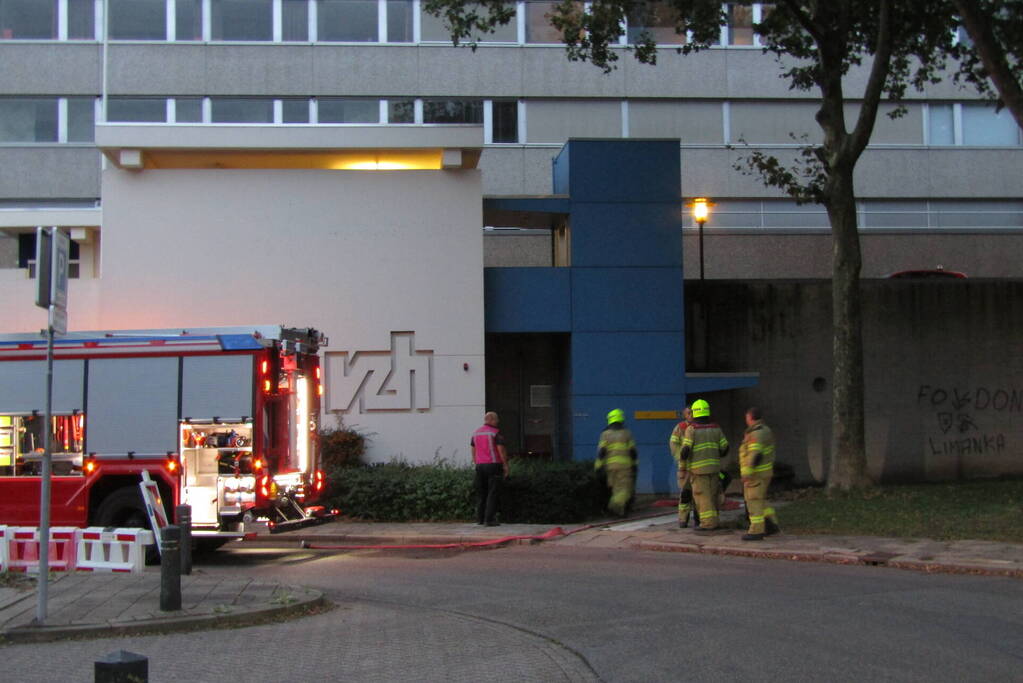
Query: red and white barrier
{"points": [[112, 550], [3, 548], [22, 548], [70, 549]]}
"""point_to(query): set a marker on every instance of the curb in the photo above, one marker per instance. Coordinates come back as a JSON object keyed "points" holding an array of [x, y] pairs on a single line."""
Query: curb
{"points": [[851, 558], [244, 617]]}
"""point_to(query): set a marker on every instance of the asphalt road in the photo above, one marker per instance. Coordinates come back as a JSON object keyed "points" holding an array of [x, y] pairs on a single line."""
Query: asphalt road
{"points": [[518, 613]]}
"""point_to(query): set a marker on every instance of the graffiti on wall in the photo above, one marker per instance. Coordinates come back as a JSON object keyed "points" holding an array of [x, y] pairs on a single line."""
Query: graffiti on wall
{"points": [[963, 418]]}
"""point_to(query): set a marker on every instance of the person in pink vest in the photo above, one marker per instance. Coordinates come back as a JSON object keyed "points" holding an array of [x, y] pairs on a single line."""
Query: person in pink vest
{"points": [[491, 460]]}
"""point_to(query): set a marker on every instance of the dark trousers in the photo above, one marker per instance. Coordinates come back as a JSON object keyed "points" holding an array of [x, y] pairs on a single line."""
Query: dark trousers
{"points": [[488, 486]]}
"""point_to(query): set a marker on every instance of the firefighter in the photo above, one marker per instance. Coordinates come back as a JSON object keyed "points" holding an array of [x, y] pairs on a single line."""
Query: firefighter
{"points": [[616, 455], [685, 486], [703, 447], [756, 465]]}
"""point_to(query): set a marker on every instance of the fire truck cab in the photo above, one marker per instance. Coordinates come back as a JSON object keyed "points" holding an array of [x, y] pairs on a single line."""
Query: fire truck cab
{"points": [[223, 419]]}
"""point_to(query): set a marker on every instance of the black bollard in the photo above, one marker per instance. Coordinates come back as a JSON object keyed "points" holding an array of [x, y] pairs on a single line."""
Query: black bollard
{"points": [[121, 667], [170, 568], [183, 513]]}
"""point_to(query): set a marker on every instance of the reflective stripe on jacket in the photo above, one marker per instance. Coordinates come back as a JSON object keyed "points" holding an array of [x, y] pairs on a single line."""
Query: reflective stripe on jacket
{"points": [[758, 441], [617, 449], [706, 443]]}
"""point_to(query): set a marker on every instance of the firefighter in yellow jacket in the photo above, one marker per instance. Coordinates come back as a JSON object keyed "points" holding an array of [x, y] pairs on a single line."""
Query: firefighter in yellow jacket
{"points": [[685, 486], [617, 455], [756, 465], [703, 447]]}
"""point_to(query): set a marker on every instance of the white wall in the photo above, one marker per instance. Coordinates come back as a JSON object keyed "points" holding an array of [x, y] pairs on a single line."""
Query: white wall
{"points": [[356, 254]]}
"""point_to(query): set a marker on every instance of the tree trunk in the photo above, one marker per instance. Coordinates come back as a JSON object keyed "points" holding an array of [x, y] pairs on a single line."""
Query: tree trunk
{"points": [[848, 448]]}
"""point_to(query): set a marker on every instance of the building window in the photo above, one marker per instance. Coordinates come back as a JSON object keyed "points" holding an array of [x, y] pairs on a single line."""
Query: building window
{"points": [[399, 21], [658, 19], [348, 110], [81, 119], [452, 111], [28, 19], [294, 111], [81, 20], [28, 119], [242, 110], [295, 21], [188, 20], [538, 22], [27, 256], [401, 111], [351, 21], [982, 126], [241, 20], [505, 123], [740, 24], [138, 19], [136, 110], [188, 110], [941, 124]]}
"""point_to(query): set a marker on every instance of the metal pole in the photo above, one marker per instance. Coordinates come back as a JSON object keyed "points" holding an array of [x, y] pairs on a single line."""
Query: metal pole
{"points": [[44, 489], [183, 515], [170, 568], [700, 223]]}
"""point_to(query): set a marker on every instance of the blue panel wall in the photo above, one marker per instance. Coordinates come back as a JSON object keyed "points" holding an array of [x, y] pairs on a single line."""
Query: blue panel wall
{"points": [[633, 299], [622, 297], [627, 234], [527, 299]]}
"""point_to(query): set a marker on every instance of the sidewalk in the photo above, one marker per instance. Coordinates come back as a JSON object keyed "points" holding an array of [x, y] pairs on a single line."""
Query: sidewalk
{"points": [[656, 529], [87, 604]]}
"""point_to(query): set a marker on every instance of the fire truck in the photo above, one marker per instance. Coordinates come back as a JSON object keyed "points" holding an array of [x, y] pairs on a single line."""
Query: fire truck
{"points": [[223, 419]]}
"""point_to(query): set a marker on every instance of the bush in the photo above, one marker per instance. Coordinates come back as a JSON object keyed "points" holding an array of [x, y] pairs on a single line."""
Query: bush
{"points": [[535, 492], [341, 446]]}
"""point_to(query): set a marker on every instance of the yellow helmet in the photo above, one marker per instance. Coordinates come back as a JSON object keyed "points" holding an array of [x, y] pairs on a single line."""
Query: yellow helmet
{"points": [[615, 416], [701, 408]]}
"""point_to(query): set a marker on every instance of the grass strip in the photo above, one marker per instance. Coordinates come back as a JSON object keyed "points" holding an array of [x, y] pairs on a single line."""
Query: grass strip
{"points": [[978, 510]]}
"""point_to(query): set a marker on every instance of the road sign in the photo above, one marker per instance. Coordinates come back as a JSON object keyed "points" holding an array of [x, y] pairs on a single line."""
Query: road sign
{"points": [[59, 268], [58, 319]]}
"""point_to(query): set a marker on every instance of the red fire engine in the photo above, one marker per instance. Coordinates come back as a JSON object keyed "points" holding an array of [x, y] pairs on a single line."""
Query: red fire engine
{"points": [[223, 419]]}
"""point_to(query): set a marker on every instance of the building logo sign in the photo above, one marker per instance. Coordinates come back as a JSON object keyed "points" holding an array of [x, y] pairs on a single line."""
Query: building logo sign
{"points": [[399, 379]]}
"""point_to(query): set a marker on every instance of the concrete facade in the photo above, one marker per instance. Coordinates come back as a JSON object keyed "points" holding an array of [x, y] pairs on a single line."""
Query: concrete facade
{"points": [[324, 248], [943, 372]]}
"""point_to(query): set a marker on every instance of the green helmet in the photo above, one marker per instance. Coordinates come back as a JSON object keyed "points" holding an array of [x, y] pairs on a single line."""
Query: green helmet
{"points": [[615, 415], [701, 408]]}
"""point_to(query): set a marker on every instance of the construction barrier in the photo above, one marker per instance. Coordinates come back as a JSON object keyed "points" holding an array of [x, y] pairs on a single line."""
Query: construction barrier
{"points": [[22, 548], [70, 549], [112, 550]]}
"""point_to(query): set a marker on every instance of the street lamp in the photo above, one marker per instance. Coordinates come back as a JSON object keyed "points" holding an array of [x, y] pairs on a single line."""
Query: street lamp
{"points": [[700, 210]]}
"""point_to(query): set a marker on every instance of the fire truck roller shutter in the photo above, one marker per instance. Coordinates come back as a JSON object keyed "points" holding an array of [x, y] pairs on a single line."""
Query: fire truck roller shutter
{"points": [[133, 405], [23, 386], [217, 386]]}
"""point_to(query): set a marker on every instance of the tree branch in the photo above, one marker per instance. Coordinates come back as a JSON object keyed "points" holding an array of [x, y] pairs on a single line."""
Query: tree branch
{"points": [[805, 20], [860, 136], [993, 58]]}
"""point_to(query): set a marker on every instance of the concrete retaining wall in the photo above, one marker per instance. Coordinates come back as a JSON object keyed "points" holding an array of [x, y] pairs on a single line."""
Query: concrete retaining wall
{"points": [[943, 371]]}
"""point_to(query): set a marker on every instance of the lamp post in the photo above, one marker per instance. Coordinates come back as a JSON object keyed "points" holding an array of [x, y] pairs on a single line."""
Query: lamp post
{"points": [[701, 210]]}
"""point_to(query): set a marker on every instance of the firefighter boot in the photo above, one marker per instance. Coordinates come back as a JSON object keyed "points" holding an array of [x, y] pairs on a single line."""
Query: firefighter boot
{"points": [[752, 537], [771, 527]]}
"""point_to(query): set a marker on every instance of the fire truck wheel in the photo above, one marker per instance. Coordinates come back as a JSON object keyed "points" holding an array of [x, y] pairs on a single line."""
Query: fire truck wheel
{"points": [[124, 508]]}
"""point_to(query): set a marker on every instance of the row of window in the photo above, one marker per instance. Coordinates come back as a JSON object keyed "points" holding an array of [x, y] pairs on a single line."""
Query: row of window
{"points": [[384, 21], [907, 214], [540, 121]]}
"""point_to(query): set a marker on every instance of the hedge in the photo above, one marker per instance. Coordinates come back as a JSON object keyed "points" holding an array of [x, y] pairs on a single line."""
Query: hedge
{"points": [[536, 492]]}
